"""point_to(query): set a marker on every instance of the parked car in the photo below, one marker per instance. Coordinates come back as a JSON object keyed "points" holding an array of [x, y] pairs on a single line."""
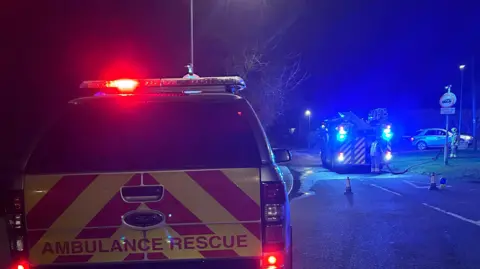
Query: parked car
{"points": [[435, 138]]}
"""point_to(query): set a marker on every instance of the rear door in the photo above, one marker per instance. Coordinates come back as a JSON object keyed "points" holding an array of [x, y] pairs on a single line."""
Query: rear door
{"points": [[128, 182], [432, 138]]}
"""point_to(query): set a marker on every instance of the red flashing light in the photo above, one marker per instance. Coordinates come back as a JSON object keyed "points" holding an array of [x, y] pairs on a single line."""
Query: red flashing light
{"points": [[123, 85], [130, 85]]}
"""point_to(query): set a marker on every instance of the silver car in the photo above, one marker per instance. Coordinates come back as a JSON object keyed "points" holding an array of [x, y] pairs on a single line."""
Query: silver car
{"points": [[435, 138]]}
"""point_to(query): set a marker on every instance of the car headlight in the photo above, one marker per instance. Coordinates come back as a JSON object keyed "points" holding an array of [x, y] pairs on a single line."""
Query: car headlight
{"points": [[466, 137]]}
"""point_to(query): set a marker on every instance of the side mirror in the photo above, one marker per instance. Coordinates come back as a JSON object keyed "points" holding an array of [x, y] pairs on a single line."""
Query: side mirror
{"points": [[282, 155]]}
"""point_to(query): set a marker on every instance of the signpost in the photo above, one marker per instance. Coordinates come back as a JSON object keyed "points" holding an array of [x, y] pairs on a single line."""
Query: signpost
{"points": [[447, 110], [447, 102]]}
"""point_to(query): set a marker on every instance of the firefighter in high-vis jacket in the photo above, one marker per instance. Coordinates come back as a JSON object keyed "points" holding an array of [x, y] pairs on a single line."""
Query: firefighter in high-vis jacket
{"points": [[375, 156], [454, 143], [381, 149]]}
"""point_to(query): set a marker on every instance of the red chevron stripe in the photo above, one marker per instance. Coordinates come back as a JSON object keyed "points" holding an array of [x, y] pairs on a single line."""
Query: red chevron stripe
{"points": [[157, 256], [174, 210], [134, 257], [34, 237], [196, 229], [229, 195], [72, 258], [254, 228], [94, 233], [111, 214], [149, 180], [57, 200], [136, 180], [218, 253]]}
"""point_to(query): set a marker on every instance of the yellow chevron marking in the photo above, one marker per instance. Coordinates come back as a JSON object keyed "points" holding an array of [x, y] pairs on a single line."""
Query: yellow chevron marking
{"points": [[248, 180], [79, 213], [36, 186], [206, 208], [166, 233], [193, 197], [124, 233]]}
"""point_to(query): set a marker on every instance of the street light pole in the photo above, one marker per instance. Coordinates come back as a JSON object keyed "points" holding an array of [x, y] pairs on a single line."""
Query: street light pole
{"points": [[445, 148], [309, 129], [474, 107], [462, 67], [191, 34], [308, 113]]}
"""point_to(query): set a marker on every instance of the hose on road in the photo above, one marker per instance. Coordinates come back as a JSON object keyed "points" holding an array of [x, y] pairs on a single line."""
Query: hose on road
{"points": [[415, 165]]}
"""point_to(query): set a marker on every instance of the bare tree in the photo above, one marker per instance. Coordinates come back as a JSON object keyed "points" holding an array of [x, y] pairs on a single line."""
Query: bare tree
{"points": [[251, 35], [269, 83]]}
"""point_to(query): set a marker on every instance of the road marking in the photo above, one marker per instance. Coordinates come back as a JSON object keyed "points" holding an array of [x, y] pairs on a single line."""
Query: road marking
{"points": [[420, 187], [453, 214], [414, 185], [387, 190]]}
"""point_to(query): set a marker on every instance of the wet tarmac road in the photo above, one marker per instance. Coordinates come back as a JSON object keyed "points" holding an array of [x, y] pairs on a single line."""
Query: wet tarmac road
{"points": [[388, 222]]}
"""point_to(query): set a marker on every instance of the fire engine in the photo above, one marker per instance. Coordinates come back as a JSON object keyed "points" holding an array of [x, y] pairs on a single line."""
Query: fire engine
{"points": [[346, 139]]}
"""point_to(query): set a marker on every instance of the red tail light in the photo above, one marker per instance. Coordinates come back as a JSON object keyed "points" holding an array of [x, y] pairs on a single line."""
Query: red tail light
{"points": [[20, 265], [273, 260], [412, 138]]}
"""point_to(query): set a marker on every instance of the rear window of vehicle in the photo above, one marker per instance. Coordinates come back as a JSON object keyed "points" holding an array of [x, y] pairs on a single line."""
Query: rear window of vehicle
{"points": [[419, 132], [108, 137]]}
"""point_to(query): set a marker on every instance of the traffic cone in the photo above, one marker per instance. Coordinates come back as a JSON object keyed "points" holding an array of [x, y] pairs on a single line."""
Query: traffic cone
{"points": [[348, 186], [443, 183], [433, 184]]}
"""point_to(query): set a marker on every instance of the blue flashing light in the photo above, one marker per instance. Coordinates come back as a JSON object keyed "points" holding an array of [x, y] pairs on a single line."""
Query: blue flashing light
{"points": [[387, 133], [342, 134]]}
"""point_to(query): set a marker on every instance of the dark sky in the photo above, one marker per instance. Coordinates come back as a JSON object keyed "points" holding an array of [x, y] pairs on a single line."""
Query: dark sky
{"points": [[360, 54]]}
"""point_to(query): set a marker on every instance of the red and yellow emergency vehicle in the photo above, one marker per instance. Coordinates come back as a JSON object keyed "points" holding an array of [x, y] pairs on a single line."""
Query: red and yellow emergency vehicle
{"points": [[156, 172]]}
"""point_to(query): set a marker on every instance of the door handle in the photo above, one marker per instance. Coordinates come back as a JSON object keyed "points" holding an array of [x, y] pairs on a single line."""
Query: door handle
{"points": [[140, 194]]}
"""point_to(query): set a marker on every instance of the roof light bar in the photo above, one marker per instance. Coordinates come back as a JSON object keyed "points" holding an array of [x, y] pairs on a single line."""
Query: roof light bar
{"points": [[231, 84]]}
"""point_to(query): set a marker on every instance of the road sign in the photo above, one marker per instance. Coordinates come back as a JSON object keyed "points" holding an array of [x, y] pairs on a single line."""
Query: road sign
{"points": [[447, 110], [448, 99]]}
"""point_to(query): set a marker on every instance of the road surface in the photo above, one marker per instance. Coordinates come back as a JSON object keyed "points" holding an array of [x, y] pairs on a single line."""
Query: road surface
{"points": [[388, 222]]}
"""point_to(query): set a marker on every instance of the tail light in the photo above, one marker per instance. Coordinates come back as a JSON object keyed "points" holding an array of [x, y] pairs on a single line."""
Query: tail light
{"points": [[274, 236], [20, 265], [273, 261], [275, 196], [16, 226]]}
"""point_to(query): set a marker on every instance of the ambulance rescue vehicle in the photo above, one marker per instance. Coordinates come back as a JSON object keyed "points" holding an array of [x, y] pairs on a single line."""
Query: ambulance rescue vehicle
{"points": [[153, 173]]}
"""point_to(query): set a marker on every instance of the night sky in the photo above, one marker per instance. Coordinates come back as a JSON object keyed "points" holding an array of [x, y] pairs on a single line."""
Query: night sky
{"points": [[359, 54]]}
